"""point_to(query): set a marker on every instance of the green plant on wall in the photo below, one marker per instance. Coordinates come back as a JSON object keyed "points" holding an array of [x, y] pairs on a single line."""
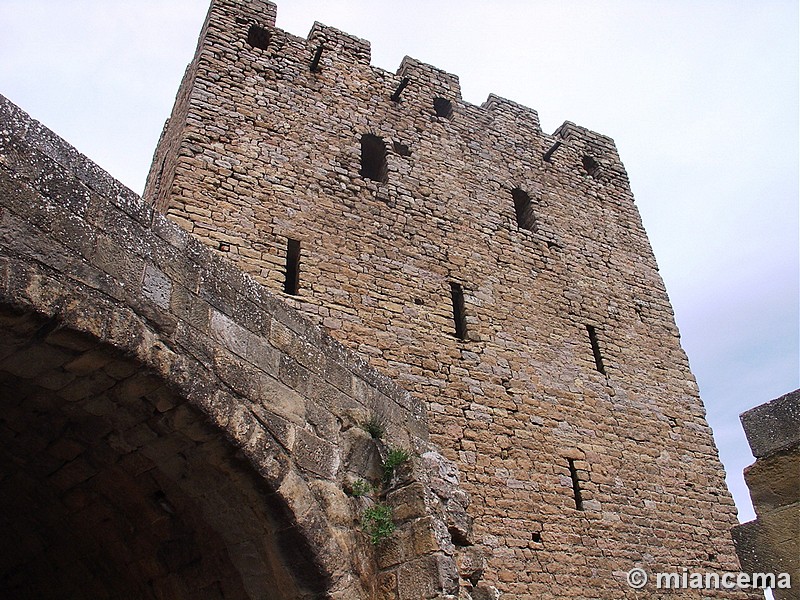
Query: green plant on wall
{"points": [[360, 488], [374, 427], [395, 458], [378, 523]]}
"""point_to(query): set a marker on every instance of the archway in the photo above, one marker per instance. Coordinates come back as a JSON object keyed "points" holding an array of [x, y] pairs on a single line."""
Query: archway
{"points": [[113, 486]]}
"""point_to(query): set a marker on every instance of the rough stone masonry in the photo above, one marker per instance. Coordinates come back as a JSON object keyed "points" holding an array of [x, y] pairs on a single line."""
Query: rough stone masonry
{"points": [[183, 402], [500, 274], [169, 429]]}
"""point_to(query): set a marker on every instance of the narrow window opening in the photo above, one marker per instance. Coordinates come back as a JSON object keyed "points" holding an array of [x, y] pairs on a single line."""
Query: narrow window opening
{"points": [[576, 484], [314, 67], [598, 358], [373, 158], [458, 537], [291, 285], [258, 37], [549, 154], [396, 95], [524, 210], [536, 537], [591, 166], [442, 107], [459, 316], [401, 149]]}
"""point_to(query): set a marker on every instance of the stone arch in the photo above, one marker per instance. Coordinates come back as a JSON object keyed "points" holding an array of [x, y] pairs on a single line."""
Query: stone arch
{"points": [[120, 487]]}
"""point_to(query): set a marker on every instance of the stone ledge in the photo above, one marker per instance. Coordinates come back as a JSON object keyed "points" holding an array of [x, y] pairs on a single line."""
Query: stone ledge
{"points": [[773, 426]]}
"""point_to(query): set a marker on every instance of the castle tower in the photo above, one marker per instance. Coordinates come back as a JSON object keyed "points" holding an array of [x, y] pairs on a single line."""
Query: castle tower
{"points": [[500, 274]]}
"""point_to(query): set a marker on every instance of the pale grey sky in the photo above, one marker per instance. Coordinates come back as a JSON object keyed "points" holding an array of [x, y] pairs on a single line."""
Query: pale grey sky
{"points": [[701, 97]]}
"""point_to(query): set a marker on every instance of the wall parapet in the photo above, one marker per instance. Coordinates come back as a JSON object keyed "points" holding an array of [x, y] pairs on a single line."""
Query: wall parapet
{"points": [[264, 13]]}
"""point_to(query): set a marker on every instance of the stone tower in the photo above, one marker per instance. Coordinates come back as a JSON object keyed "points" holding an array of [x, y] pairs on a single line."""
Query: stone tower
{"points": [[498, 273]]}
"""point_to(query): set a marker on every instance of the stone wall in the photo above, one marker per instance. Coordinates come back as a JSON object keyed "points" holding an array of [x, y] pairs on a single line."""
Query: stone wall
{"points": [[771, 542], [498, 273], [170, 429]]}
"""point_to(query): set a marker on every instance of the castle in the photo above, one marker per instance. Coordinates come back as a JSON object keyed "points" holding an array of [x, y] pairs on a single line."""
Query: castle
{"points": [[493, 304]]}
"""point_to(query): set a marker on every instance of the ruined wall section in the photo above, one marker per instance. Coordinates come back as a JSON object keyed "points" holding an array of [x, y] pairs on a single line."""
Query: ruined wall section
{"points": [[586, 453], [770, 543]]}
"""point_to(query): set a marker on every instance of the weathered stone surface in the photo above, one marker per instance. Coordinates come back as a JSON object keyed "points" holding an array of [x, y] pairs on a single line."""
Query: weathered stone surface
{"points": [[202, 432], [771, 542], [478, 276], [774, 480], [773, 426], [566, 349]]}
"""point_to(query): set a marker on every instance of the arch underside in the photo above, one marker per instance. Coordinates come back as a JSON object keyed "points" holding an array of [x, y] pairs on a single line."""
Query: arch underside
{"points": [[112, 486]]}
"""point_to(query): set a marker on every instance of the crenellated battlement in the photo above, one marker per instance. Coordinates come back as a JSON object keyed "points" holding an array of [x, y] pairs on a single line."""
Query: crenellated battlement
{"points": [[324, 62], [435, 82], [338, 42], [510, 115], [339, 46]]}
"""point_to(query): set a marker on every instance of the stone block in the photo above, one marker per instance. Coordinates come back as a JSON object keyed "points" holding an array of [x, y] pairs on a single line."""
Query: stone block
{"points": [[291, 373], [72, 473], [157, 287], [773, 426], [34, 360], [279, 428], [86, 387], [773, 480], [89, 361], [419, 579], [229, 334], [316, 455], [408, 502], [772, 543]]}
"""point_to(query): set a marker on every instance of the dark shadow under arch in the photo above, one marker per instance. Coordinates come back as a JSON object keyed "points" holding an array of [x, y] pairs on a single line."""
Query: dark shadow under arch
{"points": [[112, 486]]}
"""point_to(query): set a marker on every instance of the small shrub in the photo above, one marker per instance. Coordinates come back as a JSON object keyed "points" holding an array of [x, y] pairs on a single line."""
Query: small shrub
{"points": [[374, 427], [360, 488], [395, 458], [377, 522]]}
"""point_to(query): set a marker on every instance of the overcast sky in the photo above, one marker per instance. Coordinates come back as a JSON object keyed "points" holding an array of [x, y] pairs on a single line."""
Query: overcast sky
{"points": [[701, 97]]}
